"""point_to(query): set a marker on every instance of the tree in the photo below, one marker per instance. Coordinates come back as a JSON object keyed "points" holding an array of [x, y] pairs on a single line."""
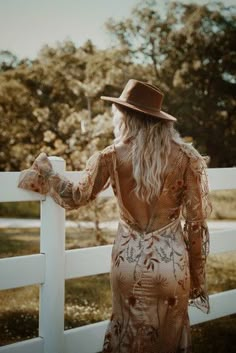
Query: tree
{"points": [[191, 51], [53, 103], [43, 106], [7, 60]]}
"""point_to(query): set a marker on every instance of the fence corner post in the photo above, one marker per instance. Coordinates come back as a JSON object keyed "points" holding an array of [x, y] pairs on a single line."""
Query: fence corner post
{"points": [[52, 292]]}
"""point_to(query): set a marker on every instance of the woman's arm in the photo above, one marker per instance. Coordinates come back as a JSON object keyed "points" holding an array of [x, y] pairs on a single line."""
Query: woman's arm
{"points": [[42, 178], [197, 208]]}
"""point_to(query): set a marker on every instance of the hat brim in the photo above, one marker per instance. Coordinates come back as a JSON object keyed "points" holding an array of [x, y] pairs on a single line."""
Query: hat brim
{"points": [[158, 114]]}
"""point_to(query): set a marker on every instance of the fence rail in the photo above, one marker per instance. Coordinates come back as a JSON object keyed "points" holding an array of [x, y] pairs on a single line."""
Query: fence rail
{"points": [[53, 265]]}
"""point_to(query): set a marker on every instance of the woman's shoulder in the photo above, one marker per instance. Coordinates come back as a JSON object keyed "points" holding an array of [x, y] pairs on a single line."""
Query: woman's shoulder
{"points": [[116, 153], [107, 154], [192, 158], [108, 151], [189, 151]]}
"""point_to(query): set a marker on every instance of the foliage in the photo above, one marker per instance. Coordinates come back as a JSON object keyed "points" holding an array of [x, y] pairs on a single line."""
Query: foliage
{"points": [[44, 108], [192, 53], [53, 104], [20, 209]]}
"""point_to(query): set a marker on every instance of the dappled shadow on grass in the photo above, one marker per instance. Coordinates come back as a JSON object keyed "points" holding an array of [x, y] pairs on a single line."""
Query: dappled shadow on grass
{"points": [[224, 204], [18, 326], [24, 209], [26, 241], [87, 300], [77, 238], [217, 336], [18, 242], [19, 308], [221, 272]]}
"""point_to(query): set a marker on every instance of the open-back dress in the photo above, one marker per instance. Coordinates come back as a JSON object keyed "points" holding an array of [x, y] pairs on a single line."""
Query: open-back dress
{"points": [[157, 264]]}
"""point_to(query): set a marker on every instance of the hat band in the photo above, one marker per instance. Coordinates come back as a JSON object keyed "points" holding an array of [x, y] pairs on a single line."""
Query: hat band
{"points": [[140, 106]]}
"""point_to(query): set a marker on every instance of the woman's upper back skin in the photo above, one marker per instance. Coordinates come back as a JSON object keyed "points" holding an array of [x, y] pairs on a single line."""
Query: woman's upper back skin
{"points": [[139, 210]]}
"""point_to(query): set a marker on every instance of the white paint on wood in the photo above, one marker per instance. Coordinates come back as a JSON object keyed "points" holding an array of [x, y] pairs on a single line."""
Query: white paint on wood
{"points": [[222, 241], [97, 260], [222, 178], [221, 304], [11, 193], [85, 339], [88, 261], [22, 271], [34, 345], [28, 270], [219, 178], [51, 316]]}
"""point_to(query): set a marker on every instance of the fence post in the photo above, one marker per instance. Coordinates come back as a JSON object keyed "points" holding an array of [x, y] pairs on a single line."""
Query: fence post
{"points": [[52, 244]]}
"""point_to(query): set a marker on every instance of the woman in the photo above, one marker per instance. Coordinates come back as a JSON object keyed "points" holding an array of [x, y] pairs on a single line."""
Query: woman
{"points": [[156, 266]]}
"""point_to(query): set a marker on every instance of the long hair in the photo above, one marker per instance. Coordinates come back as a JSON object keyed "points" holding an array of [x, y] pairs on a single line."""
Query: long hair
{"points": [[151, 145]]}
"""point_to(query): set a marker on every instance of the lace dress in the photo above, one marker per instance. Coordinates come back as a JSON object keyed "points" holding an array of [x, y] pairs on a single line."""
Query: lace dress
{"points": [[156, 271]]}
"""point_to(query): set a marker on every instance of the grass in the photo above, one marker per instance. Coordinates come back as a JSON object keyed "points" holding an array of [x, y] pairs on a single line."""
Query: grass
{"points": [[19, 242], [19, 310], [93, 304], [88, 299], [224, 204], [217, 336], [20, 209]]}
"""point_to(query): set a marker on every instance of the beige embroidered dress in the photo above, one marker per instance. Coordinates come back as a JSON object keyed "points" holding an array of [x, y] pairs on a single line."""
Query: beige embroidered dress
{"points": [[157, 266]]}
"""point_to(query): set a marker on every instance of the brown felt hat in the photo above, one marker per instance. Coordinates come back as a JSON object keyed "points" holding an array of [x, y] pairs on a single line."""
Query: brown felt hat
{"points": [[142, 97]]}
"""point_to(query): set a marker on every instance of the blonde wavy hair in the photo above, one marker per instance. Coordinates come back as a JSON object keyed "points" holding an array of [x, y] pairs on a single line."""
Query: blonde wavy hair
{"points": [[151, 145]]}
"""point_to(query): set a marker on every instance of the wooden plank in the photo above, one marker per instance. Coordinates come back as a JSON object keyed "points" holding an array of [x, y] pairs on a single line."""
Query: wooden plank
{"points": [[96, 260], [221, 304], [22, 271], [52, 235], [34, 345], [88, 261], [222, 241], [11, 193], [222, 178], [85, 339], [83, 262], [219, 178]]}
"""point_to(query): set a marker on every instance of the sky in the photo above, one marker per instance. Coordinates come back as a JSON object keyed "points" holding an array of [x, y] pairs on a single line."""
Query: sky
{"points": [[27, 25]]}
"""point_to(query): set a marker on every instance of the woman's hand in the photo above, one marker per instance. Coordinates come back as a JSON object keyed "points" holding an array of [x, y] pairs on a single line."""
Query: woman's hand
{"points": [[36, 177]]}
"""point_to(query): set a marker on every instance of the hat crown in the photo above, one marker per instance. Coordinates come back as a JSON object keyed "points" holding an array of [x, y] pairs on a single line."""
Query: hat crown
{"points": [[142, 94], [142, 97]]}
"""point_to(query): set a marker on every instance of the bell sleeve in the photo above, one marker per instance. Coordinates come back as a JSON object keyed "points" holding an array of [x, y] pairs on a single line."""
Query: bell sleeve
{"points": [[196, 209], [43, 179]]}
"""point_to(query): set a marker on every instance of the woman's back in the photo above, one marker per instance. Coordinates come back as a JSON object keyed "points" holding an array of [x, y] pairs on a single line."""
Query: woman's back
{"points": [[161, 208]]}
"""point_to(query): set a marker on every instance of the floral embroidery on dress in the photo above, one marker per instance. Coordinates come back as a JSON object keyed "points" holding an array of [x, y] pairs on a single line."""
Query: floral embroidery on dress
{"points": [[154, 272]]}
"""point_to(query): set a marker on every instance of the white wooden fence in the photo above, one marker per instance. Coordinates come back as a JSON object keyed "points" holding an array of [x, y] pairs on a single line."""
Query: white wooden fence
{"points": [[53, 265]]}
